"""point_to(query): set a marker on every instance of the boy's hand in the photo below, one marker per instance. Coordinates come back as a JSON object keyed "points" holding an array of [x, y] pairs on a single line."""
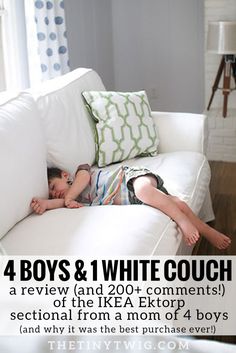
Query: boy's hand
{"points": [[39, 206], [73, 204]]}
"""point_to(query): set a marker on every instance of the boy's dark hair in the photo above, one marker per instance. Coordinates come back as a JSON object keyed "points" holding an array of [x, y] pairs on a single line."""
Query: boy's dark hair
{"points": [[53, 173]]}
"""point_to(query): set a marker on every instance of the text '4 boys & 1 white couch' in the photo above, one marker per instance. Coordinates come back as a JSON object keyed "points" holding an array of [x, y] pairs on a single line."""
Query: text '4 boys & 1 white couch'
{"points": [[55, 128]]}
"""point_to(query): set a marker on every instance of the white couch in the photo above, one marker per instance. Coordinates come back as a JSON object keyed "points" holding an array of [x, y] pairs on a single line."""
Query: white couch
{"points": [[54, 128]]}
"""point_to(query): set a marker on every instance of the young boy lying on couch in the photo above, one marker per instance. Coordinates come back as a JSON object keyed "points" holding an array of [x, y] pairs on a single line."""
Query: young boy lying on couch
{"points": [[125, 185]]}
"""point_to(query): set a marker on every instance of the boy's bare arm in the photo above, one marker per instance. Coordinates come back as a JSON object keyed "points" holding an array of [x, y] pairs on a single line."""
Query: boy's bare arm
{"points": [[39, 206], [80, 182]]}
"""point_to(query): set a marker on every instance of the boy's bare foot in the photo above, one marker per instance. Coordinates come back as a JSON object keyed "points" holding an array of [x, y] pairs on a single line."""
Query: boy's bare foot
{"points": [[219, 240], [190, 232]]}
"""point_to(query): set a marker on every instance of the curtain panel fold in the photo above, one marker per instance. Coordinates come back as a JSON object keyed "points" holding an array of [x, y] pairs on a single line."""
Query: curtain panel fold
{"points": [[51, 36]]}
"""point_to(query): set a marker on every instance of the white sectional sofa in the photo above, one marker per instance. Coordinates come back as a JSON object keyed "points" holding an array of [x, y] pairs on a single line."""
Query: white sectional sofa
{"points": [[52, 126]]}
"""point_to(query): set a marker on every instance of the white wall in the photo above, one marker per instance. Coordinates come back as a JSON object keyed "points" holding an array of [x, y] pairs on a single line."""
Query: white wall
{"points": [[157, 45], [222, 131], [217, 10]]}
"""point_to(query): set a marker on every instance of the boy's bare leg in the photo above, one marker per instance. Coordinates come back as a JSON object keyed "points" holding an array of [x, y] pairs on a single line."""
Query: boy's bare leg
{"points": [[216, 238], [146, 191], [189, 223]]}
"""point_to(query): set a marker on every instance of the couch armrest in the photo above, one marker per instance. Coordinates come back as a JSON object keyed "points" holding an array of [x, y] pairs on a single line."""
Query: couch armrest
{"points": [[181, 131]]}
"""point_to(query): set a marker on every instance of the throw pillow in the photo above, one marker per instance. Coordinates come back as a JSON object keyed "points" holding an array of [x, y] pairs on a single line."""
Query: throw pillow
{"points": [[124, 125]]}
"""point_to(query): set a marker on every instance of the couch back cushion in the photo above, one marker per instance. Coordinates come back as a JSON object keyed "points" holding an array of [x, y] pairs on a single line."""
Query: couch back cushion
{"points": [[22, 160], [68, 127]]}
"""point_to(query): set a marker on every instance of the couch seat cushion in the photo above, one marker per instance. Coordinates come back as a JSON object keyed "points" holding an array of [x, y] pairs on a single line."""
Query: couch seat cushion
{"points": [[117, 230]]}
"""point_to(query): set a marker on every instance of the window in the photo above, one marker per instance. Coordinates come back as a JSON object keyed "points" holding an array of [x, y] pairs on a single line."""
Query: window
{"points": [[2, 75], [14, 45], [34, 43]]}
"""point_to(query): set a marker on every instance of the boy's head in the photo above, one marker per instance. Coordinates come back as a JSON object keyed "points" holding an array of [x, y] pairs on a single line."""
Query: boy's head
{"points": [[58, 183]]}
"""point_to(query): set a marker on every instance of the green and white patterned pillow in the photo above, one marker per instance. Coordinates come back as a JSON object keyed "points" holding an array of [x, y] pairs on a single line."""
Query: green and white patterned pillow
{"points": [[124, 125]]}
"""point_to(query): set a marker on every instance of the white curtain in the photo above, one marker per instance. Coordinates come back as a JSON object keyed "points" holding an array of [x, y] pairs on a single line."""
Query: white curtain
{"points": [[50, 31]]}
